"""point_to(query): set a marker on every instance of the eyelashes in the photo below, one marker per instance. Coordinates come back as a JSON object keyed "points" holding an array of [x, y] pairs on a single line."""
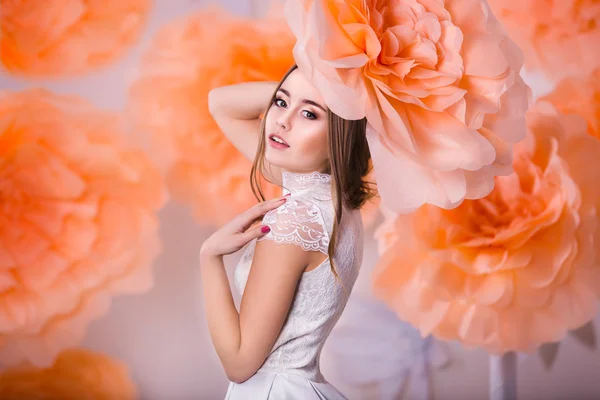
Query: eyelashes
{"points": [[308, 114], [277, 99]]}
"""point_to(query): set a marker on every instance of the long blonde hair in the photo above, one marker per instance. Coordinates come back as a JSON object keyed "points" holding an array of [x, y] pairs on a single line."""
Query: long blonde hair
{"points": [[349, 165]]}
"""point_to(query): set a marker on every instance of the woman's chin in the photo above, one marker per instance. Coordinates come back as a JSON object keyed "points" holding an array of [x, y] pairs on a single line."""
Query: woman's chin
{"points": [[274, 159]]}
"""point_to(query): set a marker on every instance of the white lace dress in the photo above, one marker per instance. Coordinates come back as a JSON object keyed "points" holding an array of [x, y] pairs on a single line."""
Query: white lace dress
{"points": [[291, 371]]}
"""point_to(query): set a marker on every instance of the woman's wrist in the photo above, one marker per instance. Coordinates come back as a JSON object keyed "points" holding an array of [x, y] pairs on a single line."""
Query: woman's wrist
{"points": [[209, 262], [206, 253]]}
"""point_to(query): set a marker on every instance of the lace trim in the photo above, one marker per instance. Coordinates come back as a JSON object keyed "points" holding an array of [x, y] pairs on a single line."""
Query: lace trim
{"points": [[296, 182], [299, 222]]}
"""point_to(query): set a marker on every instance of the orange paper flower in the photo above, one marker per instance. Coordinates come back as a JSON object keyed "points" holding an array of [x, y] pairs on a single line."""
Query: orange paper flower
{"points": [[77, 374], [77, 222], [438, 82], [580, 95], [169, 102], [558, 37], [65, 37], [516, 269]]}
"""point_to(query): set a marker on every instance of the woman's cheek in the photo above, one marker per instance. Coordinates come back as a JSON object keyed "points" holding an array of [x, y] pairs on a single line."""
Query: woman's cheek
{"points": [[317, 145], [270, 121]]}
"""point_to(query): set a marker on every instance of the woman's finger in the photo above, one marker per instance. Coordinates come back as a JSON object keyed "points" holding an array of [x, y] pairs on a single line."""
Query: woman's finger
{"points": [[261, 209], [255, 233], [257, 212], [253, 222]]}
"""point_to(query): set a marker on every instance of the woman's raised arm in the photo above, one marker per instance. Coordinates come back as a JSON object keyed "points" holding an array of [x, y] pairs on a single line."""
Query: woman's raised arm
{"points": [[237, 108]]}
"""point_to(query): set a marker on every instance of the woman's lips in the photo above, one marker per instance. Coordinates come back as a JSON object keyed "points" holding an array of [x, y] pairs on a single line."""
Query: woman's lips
{"points": [[277, 144]]}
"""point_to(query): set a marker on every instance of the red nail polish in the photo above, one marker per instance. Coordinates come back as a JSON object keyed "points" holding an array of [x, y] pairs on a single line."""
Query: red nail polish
{"points": [[265, 229]]}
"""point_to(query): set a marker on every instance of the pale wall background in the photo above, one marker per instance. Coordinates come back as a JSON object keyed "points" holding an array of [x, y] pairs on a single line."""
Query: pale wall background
{"points": [[163, 336]]}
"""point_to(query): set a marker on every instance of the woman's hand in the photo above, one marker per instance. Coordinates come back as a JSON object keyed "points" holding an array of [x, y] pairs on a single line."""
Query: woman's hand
{"points": [[236, 233]]}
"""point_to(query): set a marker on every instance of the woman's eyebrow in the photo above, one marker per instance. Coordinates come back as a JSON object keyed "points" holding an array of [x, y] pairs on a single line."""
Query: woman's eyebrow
{"points": [[303, 100]]}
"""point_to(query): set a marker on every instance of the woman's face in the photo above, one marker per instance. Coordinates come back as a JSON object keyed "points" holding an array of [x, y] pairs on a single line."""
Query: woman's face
{"points": [[298, 117]]}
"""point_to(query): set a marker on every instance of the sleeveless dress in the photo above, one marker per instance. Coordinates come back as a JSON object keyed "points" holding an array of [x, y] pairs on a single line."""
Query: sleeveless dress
{"points": [[291, 371]]}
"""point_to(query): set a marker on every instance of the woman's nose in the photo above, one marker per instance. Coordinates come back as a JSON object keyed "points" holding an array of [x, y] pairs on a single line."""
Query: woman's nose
{"points": [[284, 120]]}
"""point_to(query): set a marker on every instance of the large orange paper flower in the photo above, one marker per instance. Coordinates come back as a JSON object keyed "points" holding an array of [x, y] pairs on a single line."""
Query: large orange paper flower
{"points": [[77, 374], [558, 37], [438, 82], [169, 102], [580, 95], [513, 270], [65, 37], [77, 222]]}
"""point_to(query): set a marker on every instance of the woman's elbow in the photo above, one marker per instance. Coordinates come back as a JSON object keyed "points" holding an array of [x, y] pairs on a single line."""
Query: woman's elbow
{"points": [[214, 101], [238, 375], [243, 366], [236, 379], [241, 370]]}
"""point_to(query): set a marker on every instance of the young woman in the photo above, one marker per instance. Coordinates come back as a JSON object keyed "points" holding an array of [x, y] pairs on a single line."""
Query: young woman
{"points": [[301, 263]]}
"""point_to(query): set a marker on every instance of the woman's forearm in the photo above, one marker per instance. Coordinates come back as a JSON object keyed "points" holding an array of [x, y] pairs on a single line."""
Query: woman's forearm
{"points": [[221, 314], [244, 101]]}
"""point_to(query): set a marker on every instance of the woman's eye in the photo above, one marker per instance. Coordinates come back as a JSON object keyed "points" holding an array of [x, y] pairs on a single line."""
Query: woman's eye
{"points": [[309, 115], [280, 102]]}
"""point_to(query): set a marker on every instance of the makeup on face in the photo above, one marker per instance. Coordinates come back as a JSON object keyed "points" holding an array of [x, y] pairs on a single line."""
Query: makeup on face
{"points": [[304, 101], [296, 126], [277, 142]]}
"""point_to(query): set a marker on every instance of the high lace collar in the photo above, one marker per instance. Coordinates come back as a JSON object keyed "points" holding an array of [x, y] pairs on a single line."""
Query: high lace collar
{"points": [[294, 182]]}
